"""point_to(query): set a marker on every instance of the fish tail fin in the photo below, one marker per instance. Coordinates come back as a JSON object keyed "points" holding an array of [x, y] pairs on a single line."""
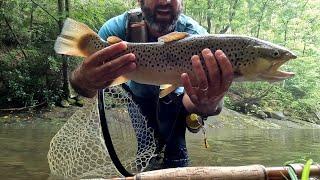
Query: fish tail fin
{"points": [[77, 39]]}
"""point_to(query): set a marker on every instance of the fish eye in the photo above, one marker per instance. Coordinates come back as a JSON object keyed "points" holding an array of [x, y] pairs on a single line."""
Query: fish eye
{"points": [[276, 53]]}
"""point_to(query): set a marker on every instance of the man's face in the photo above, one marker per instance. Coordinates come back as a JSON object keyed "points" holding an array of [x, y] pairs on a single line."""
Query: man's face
{"points": [[161, 15]]}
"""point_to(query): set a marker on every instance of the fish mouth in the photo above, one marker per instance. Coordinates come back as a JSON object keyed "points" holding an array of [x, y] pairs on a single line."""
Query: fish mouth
{"points": [[273, 74], [277, 76]]}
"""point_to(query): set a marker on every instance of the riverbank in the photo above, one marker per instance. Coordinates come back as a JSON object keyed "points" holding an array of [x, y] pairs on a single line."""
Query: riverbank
{"points": [[227, 119], [232, 119], [54, 114]]}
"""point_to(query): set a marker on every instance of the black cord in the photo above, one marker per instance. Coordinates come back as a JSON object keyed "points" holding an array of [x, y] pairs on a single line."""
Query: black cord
{"points": [[175, 99], [107, 137], [106, 133]]}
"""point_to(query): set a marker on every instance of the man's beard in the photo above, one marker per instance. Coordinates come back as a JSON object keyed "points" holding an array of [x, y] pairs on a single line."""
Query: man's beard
{"points": [[162, 27]]}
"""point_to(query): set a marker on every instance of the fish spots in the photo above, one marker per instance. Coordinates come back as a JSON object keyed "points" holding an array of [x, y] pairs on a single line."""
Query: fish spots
{"points": [[150, 56], [96, 45], [238, 63], [176, 56], [92, 43]]}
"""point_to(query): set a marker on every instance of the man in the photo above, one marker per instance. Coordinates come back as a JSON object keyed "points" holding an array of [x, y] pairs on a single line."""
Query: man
{"points": [[166, 116]]}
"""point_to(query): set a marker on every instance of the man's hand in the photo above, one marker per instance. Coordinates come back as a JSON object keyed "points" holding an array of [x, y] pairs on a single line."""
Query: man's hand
{"points": [[101, 68], [203, 93]]}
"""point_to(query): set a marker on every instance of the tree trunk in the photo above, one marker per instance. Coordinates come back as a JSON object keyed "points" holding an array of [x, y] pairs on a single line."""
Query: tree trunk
{"points": [[218, 27], [60, 14], [286, 31], [209, 17], [15, 36], [231, 14], [304, 48], [263, 9], [67, 6], [65, 66], [232, 11], [65, 88], [33, 8]]}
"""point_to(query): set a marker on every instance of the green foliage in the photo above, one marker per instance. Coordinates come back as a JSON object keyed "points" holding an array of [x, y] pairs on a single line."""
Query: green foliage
{"points": [[301, 160], [306, 170], [297, 97], [291, 22], [29, 80], [98, 11]]}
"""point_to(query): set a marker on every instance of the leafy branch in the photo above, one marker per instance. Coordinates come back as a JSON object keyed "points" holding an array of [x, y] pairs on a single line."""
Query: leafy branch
{"points": [[45, 11], [14, 35]]}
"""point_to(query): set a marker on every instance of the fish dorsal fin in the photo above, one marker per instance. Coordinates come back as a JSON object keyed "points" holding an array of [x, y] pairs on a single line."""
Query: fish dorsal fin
{"points": [[259, 48], [119, 80], [166, 89], [174, 36], [113, 40]]}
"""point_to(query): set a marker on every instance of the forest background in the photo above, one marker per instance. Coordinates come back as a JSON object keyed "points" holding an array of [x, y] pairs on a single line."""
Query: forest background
{"points": [[32, 74]]}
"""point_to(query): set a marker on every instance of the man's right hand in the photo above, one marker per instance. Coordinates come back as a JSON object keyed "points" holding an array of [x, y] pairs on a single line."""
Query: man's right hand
{"points": [[99, 69]]}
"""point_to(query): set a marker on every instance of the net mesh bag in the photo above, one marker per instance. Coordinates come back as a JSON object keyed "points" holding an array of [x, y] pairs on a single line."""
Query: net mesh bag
{"points": [[78, 149]]}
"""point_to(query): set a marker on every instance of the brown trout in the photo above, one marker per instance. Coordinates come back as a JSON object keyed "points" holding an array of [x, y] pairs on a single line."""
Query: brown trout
{"points": [[163, 62]]}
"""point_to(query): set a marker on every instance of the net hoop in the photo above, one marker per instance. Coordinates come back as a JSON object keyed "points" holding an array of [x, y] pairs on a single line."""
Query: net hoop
{"points": [[107, 138]]}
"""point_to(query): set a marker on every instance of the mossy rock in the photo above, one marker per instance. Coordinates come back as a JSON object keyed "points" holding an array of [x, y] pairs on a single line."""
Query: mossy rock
{"points": [[64, 103], [72, 101], [80, 103], [278, 115]]}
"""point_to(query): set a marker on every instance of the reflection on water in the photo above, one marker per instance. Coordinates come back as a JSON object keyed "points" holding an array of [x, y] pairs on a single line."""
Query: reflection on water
{"points": [[23, 149], [243, 147]]}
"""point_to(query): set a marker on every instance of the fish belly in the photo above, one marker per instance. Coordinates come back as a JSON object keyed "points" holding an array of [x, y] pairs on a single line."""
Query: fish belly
{"points": [[153, 77], [158, 64]]}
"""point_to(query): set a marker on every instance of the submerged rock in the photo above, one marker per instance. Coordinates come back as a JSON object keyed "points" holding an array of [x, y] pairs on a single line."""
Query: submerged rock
{"points": [[261, 114], [277, 115]]}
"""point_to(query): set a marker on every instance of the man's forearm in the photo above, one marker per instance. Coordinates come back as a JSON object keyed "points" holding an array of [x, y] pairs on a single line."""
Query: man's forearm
{"points": [[79, 86]]}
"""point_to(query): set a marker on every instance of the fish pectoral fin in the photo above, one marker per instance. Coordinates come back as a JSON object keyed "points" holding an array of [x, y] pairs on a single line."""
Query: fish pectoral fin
{"points": [[118, 81], [165, 86], [166, 89], [113, 40], [174, 36]]}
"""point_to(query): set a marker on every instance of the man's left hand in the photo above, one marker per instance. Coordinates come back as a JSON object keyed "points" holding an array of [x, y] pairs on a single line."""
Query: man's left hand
{"points": [[204, 91]]}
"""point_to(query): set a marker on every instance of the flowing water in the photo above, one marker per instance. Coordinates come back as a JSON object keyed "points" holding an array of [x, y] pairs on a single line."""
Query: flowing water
{"points": [[254, 146], [23, 148]]}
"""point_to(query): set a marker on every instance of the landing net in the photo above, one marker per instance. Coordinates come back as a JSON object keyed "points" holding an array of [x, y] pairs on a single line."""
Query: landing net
{"points": [[78, 149]]}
